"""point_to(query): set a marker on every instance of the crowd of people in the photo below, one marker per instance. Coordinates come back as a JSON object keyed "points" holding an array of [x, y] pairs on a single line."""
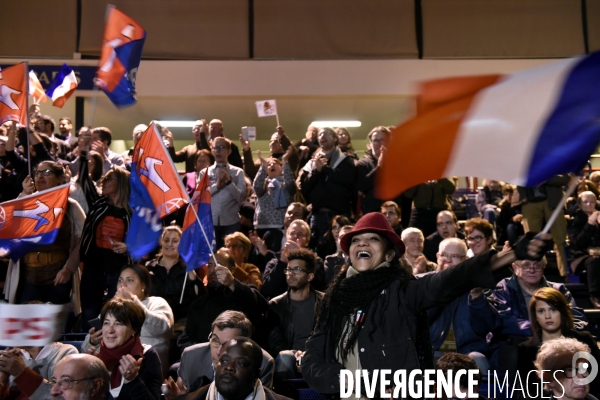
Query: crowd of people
{"points": [[312, 272]]}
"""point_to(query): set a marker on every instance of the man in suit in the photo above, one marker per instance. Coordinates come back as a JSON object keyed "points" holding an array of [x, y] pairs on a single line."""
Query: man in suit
{"points": [[198, 362]]}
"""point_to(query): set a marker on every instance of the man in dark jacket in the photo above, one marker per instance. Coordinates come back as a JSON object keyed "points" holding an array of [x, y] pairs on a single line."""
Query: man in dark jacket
{"points": [[236, 374], [224, 292], [447, 227], [327, 182], [292, 315]]}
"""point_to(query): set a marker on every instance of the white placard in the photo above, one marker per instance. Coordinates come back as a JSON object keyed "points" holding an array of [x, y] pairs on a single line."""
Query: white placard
{"points": [[266, 108], [31, 324]]}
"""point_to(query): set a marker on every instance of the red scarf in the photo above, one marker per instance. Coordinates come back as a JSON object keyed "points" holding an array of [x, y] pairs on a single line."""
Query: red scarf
{"points": [[112, 357]]}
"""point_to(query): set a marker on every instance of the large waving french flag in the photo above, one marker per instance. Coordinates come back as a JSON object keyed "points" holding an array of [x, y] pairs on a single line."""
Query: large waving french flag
{"points": [[522, 128]]}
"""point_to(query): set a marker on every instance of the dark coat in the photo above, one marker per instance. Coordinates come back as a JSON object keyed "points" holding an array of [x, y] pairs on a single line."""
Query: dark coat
{"points": [[505, 312], [456, 313], [432, 245], [582, 236], [169, 285], [392, 344], [203, 312], [331, 188], [147, 384], [274, 282], [280, 319]]}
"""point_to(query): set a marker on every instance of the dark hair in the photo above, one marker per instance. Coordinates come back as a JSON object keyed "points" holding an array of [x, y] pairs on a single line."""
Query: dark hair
{"points": [[125, 311], [306, 255], [233, 320], [481, 225], [104, 133], [205, 152], [455, 362], [49, 120], [96, 158], [66, 119], [143, 274], [339, 220], [555, 299], [56, 168], [301, 205], [256, 354], [392, 204]]}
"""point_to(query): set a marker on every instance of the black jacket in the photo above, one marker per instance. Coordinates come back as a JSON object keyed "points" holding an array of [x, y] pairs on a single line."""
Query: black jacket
{"points": [[331, 188], [203, 312], [202, 393], [274, 282], [432, 245], [146, 384], [392, 344], [280, 319]]}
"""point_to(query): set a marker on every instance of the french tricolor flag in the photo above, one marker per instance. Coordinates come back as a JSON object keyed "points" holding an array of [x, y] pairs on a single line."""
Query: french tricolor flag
{"points": [[522, 128], [62, 87]]}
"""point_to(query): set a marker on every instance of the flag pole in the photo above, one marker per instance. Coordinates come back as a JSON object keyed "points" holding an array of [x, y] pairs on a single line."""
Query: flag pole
{"points": [[277, 116], [183, 289], [27, 120], [560, 205], [153, 124]]}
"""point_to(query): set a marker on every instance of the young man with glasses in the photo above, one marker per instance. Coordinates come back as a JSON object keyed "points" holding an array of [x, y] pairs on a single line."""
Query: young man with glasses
{"points": [[291, 315], [197, 367], [505, 312]]}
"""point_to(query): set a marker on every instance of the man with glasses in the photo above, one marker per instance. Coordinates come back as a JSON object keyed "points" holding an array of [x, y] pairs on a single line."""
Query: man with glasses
{"points": [[450, 326], [292, 315], [80, 377], [197, 367], [505, 312], [447, 227]]}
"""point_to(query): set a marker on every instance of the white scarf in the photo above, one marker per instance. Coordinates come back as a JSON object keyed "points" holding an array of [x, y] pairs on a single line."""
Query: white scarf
{"points": [[257, 394]]}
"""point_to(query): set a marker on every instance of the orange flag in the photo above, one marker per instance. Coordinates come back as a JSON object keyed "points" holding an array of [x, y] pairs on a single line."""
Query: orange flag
{"points": [[13, 94]]}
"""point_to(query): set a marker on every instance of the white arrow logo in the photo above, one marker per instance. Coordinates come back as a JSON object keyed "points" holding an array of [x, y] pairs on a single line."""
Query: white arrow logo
{"points": [[150, 172], [5, 96], [36, 214]]}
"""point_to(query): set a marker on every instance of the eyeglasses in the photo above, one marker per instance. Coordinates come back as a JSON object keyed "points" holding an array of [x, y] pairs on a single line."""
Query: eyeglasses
{"points": [[475, 239], [44, 172], [295, 271], [531, 266], [67, 383], [214, 340], [453, 257]]}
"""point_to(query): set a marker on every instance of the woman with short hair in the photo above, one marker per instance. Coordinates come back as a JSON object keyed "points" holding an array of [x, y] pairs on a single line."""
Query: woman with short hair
{"points": [[554, 364], [121, 349], [239, 246]]}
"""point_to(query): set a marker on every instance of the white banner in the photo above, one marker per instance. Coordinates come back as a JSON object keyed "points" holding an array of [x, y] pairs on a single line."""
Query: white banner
{"points": [[266, 108], [31, 324]]}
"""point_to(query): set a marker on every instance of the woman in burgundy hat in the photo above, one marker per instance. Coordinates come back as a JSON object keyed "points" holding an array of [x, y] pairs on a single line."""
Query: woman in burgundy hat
{"points": [[373, 314]]}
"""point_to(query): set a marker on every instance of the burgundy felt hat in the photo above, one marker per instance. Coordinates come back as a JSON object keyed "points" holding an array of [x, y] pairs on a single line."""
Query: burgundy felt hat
{"points": [[374, 223]]}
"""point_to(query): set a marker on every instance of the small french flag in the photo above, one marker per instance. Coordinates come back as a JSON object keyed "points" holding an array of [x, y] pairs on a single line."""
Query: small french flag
{"points": [[62, 87]]}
